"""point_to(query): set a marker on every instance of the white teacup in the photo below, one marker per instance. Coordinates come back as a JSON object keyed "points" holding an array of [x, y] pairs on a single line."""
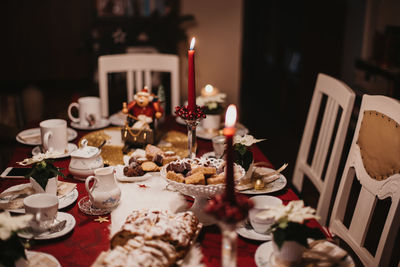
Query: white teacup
{"points": [[44, 208], [260, 204], [54, 135], [89, 109]]}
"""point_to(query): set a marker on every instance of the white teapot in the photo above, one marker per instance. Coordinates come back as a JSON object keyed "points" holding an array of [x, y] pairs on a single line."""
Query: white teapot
{"points": [[85, 160], [104, 193]]}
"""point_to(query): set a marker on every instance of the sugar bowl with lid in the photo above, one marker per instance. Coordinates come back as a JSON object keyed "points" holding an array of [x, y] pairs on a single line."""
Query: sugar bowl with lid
{"points": [[85, 160]]}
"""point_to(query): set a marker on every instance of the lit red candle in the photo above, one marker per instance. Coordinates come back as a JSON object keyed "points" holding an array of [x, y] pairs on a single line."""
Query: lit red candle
{"points": [[229, 132], [191, 78]]}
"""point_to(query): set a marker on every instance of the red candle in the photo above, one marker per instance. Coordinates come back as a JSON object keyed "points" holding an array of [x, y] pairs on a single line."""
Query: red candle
{"points": [[191, 78], [229, 132]]}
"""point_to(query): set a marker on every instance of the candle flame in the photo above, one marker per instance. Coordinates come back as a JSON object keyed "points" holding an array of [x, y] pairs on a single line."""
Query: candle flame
{"points": [[230, 117], [209, 88], [192, 43]]}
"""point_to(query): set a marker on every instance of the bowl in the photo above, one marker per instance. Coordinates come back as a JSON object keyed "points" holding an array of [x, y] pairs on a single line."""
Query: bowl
{"points": [[262, 203]]}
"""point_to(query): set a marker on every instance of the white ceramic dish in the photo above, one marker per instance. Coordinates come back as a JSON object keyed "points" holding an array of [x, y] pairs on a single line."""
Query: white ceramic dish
{"points": [[99, 125], [64, 201], [262, 203], [85, 205], [118, 119], [119, 174], [33, 136], [274, 186], [35, 257], [71, 148], [70, 224], [249, 233]]}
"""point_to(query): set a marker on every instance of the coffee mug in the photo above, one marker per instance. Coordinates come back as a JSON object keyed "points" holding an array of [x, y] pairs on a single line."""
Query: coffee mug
{"points": [[89, 109], [54, 135], [44, 208]]}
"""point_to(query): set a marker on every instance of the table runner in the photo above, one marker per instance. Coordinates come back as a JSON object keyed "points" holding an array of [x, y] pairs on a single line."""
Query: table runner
{"points": [[89, 238]]}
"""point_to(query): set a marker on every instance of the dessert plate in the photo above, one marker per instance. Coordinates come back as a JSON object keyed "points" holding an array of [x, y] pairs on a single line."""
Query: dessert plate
{"points": [[64, 201], [37, 258], [99, 125], [274, 186], [69, 225], [32, 136], [119, 174], [248, 232], [71, 148]]}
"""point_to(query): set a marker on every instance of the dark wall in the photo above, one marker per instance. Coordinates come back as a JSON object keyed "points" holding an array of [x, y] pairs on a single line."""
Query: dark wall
{"points": [[285, 45]]}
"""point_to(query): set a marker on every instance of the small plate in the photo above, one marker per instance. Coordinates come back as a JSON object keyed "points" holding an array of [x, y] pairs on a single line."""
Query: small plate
{"points": [[64, 201], [118, 119], [44, 236], [204, 134], [119, 174], [71, 148], [36, 140], [85, 205], [99, 125], [35, 258], [274, 186], [249, 233]]}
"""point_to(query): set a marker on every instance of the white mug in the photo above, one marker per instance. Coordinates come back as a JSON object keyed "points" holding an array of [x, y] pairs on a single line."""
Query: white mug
{"points": [[54, 135], [44, 208], [262, 203], [89, 109]]}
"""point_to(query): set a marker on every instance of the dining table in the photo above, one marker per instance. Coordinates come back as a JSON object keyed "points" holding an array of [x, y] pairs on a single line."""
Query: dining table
{"points": [[89, 238]]}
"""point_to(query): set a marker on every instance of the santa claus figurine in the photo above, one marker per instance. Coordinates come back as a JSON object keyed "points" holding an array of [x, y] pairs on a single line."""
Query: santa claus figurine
{"points": [[142, 110]]}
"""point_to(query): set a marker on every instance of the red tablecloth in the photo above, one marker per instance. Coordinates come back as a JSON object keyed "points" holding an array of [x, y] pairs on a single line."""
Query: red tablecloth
{"points": [[89, 238]]}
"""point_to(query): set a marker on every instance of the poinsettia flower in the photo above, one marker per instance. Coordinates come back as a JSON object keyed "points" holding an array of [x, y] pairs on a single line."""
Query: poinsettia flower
{"points": [[205, 100], [292, 212], [10, 224], [246, 140]]}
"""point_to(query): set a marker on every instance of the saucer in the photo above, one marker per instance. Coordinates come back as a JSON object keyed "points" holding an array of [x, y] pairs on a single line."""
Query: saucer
{"points": [[70, 224], [98, 125], [71, 147], [32, 136], [37, 258], [85, 205], [249, 233], [118, 119]]}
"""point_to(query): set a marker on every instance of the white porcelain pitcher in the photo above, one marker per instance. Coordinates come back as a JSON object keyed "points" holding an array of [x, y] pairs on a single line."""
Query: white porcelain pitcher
{"points": [[105, 193]]}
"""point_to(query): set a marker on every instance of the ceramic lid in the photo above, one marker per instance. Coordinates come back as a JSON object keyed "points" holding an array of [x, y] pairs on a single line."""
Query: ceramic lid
{"points": [[85, 151]]}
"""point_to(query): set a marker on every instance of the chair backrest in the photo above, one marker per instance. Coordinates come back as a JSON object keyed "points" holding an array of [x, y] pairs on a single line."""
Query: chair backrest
{"points": [[138, 68], [374, 159], [337, 95]]}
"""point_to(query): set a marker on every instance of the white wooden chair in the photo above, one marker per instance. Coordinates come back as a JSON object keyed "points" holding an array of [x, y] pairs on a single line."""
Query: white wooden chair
{"points": [[374, 159], [138, 68], [338, 95]]}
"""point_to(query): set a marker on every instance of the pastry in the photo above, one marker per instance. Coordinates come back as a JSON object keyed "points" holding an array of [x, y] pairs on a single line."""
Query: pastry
{"points": [[177, 177], [204, 170], [216, 179], [149, 166], [151, 239], [196, 178], [152, 151]]}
